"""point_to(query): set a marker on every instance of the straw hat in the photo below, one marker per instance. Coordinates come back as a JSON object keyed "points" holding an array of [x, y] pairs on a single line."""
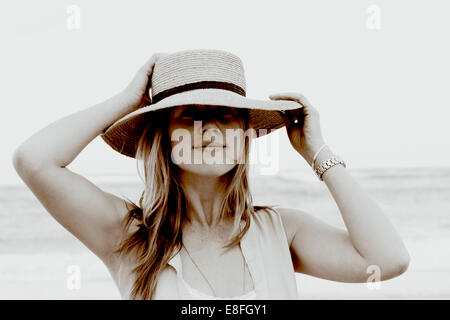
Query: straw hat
{"points": [[201, 76]]}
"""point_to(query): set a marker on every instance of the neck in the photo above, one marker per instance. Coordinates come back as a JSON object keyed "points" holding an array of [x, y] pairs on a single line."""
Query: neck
{"points": [[204, 196]]}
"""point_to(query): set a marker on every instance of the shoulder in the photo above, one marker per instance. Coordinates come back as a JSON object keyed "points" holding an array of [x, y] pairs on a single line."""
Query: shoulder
{"points": [[281, 219], [292, 219]]}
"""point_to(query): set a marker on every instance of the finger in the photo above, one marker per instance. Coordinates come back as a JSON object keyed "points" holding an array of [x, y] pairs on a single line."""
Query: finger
{"points": [[294, 96], [286, 95], [307, 107], [147, 68]]}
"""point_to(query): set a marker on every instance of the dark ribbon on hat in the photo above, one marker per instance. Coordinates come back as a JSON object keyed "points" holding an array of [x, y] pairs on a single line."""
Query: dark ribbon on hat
{"points": [[198, 85]]}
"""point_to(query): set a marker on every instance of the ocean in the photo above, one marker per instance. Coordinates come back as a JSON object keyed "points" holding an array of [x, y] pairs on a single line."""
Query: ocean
{"points": [[39, 259]]}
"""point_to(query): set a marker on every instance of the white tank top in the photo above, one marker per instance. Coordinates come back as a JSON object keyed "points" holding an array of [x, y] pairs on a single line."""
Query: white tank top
{"points": [[266, 252], [194, 294]]}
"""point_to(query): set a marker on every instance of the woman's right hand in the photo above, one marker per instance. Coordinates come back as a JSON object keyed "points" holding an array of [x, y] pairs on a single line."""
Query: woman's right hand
{"points": [[136, 94]]}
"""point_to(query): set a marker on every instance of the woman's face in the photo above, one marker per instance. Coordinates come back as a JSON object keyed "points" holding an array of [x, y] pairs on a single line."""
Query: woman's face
{"points": [[207, 140]]}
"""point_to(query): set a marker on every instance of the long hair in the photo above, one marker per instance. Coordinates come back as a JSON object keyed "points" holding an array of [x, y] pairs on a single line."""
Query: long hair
{"points": [[162, 205]]}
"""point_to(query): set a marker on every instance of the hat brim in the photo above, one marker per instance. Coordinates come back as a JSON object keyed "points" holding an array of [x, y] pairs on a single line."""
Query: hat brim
{"points": [[123, 134]]}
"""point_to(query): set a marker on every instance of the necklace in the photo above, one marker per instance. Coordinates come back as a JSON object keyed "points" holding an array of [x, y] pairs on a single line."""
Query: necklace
{"points": [[209, 283]]}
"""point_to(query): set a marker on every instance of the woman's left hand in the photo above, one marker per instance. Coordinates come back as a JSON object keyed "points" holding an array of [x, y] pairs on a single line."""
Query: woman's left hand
{"points": [[305, 134]]}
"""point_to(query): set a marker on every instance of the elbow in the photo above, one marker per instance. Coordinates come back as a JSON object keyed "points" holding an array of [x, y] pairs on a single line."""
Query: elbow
{"points": [[398, 269], [23, 162], [18, 159], [389, 265], [404, 262], [395, 267], [32, 159]]}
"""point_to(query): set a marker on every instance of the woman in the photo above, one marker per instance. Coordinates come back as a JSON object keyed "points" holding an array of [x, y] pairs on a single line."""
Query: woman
{"points": [[195, 233]]}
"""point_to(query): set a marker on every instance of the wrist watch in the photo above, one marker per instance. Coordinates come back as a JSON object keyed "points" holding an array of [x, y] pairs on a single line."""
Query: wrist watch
{"points": [[327, 164]]}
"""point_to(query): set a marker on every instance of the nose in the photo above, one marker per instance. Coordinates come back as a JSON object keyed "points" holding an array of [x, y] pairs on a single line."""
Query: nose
{"points": [[210, 126], [211, 132]]}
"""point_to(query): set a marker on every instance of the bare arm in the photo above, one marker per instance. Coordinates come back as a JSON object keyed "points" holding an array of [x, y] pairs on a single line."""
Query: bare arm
{"points": [[319, 249], [89, 213], [60, 142], [324, 251], [77, 204]]}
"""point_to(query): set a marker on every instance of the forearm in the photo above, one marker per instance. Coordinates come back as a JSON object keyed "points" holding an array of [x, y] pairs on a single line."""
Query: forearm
{"points": [[61, 141], [371, 232]]}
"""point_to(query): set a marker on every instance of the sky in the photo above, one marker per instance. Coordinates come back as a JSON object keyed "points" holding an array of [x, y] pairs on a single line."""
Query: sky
{"points": [[377, 71]]}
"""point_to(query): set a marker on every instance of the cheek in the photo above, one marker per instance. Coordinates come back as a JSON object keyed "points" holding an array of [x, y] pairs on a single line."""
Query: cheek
{"points": [[235, 151], [179, 134], [237, 131]]}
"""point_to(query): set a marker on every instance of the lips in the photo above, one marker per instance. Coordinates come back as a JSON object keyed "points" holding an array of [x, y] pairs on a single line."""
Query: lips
{"points": [[210, 145]]}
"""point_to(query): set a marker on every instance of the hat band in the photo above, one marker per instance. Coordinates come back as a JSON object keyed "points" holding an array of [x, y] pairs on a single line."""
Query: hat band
{"points": [[198, 85]]}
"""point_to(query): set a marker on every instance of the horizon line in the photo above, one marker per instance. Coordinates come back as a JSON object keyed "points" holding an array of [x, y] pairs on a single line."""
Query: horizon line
{"points": [[18, 181]]}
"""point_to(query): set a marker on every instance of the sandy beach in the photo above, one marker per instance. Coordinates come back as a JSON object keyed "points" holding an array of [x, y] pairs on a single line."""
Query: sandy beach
{"points": [[38, 256]]}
